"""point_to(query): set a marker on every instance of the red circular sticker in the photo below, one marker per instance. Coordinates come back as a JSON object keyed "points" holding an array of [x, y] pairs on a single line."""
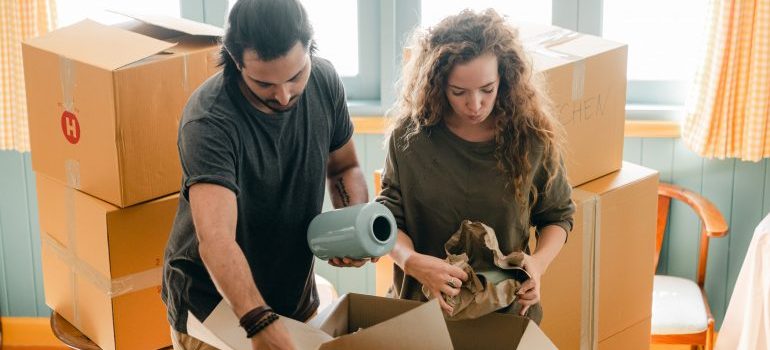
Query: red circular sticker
{"points": [[70, 127]]}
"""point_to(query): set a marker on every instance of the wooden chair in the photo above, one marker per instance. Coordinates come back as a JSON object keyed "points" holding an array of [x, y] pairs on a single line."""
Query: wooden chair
{"points": [[69, 335], [681, 313]]}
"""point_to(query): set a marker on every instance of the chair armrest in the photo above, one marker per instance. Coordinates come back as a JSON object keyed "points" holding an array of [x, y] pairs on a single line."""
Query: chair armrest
{"points": [[713, 221]]}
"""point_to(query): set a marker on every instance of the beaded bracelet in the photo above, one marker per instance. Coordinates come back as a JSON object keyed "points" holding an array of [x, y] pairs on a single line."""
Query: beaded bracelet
{"points": [[261, 325]]}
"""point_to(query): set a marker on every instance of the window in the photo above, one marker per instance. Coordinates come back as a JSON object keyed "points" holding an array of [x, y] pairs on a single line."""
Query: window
{"points": [[664, 47], [337, 39], [337, 30], [71, 11], [364, 39], [519, 10]]}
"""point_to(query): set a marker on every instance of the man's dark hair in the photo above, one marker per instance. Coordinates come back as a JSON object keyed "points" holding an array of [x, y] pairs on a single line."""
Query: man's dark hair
{"points": [[269, 27]]}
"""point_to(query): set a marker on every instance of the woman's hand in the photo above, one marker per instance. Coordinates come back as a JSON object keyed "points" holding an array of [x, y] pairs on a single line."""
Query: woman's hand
{"points": [[529, 292], [438, 276]]}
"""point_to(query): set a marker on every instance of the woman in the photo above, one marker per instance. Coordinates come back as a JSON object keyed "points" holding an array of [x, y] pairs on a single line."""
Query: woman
{"points": [[473, 138]]}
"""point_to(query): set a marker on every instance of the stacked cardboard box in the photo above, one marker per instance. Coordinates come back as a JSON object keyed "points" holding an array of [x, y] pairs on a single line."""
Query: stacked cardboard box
{"points": [[600, 284], [597, 292], [104, 106]]}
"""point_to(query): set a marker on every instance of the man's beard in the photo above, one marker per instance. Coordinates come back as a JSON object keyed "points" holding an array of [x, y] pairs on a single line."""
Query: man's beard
{"points": [[267, 103]]}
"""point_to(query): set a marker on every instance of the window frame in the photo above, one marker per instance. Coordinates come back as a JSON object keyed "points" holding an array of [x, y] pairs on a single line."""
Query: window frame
{"points": [[384, 26]]}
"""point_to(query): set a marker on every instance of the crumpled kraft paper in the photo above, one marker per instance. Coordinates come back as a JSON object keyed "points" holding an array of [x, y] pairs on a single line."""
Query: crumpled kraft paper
{"points": [[494, 278]]}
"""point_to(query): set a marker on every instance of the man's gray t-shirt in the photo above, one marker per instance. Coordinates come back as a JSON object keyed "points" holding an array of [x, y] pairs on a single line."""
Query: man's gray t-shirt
{"points": [[276, 166]]}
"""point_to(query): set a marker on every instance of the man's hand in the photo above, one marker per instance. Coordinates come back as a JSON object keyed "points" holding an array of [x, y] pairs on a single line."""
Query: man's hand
{"points": [[274, 337], [350, 262]]}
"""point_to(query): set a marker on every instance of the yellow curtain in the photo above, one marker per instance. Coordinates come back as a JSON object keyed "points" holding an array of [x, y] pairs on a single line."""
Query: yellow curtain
{"points": [[728, 111], [19, 20]]}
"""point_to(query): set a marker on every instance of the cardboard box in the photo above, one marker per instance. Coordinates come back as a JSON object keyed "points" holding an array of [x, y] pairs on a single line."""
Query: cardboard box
{"points": [[105, 102], [102, 265], [586, 79], [406, 324], [600, 284], [629, 339], [356, 321]]}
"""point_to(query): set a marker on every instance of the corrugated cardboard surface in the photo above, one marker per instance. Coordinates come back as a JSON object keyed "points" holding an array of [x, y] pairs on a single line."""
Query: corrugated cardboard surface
{"points": [[406, 324], [630, 338], [126, 91], [626, 217], [586, 80], [601, 282], [367, 322], [498, 331], [101, 265], [567, 287]]}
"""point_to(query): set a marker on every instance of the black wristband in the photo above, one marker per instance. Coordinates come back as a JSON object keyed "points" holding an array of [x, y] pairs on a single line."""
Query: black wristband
{"points": [[261, 325], [252, 317]]}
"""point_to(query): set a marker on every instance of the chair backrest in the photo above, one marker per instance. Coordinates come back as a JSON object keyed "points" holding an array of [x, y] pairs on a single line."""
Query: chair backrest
{"points": [[713, 223]]}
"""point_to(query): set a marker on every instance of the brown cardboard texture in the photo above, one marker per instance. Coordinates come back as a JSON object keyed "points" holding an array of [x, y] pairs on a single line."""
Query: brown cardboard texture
{"points": [[566, 291], [102, 265], [367, 322], [601, 282], [632, 338], [105, 102], [586, 80], [406, 324]]}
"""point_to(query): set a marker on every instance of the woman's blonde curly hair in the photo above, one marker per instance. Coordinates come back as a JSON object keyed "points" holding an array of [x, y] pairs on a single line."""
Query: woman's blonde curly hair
{"points": [[522, 111]]}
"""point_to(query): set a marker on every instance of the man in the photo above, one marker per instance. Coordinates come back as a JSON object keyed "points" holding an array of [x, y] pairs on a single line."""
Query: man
{"points": [[256, 143]]}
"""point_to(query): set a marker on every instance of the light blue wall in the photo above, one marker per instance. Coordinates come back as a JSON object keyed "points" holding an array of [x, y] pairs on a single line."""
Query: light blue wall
{"points": [[741, 191]]}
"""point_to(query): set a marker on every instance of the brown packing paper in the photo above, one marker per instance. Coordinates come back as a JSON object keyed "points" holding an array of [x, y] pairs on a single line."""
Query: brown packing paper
{"points": [[493, 278], [102, 265]]}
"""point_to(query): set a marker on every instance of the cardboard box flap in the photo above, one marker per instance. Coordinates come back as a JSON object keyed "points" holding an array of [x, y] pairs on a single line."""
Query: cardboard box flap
{"points": [[630, 174], [178, 24], [99, 45], [498, 331], [534, 338], [399, 332]]}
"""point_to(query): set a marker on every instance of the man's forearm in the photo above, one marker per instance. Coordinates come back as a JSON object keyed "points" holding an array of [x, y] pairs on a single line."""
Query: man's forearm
{"points": [[348, 188], [231, 274]]}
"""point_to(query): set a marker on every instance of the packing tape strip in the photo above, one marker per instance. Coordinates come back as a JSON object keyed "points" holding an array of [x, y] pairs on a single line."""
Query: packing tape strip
{"points": [[185, 77], [112, 288], [72, 173], [596, 261], [543, 43], [66, 75], [586, 304], [69, 207]]}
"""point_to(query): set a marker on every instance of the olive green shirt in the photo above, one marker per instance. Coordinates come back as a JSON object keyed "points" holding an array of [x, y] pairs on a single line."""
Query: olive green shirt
{"points": [[440, 179]]}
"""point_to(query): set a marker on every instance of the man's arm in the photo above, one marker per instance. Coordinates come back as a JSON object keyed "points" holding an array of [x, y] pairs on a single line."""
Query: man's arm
{"points": [[346, 187], [215, 215], [345, 178]]}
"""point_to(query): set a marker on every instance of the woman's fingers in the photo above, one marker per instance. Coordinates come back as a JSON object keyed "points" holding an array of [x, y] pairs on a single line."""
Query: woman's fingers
{"points": [[445, 306], [457, 272], [526, 287]]}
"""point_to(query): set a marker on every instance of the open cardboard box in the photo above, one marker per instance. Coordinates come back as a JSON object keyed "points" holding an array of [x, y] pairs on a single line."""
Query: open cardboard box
{"points": [[357, 321], [105, 103]]}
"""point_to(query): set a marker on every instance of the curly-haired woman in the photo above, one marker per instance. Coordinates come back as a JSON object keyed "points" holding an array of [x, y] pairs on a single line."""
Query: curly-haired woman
{"points": [[473, 138]]}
